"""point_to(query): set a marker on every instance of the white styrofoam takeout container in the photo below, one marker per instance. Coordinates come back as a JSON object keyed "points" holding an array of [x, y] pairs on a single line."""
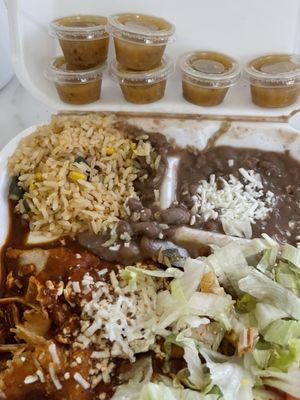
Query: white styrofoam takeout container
{"points": [[187, 131], [240, 28]]}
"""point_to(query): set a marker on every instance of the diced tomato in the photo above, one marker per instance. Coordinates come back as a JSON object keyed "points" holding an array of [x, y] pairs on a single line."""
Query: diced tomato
{"points": [[289, 397]]}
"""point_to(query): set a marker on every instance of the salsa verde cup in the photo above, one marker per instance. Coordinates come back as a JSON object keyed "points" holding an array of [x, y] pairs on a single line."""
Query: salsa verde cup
{"points": [[83, 38], [140, 40], [141, 87], [74, 86], [207, 76], [274, 79]]}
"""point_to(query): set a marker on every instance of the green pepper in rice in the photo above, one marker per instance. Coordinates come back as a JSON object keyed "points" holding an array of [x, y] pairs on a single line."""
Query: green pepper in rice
{"points": [[26, 206], [79, 159], [15, 191]]}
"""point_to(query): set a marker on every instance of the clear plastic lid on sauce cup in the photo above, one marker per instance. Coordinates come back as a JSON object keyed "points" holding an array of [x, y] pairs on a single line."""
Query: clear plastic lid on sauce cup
{"points": [[83, 38], [142, 87], [274, 79], [79, 27], [73, 86], [140, 40], [141, 28], [207, 75]]}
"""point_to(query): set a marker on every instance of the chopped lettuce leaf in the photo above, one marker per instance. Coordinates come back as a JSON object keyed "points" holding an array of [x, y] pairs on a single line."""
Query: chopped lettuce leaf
{"points": [[286, 382], [177, 291], [245, 304], [285, 275], [195, 367], [210, 305], [234, 381], [229, 265], [264, 289], [267, 261], [262, 357], [240, 228], [254, 248], [266, 313], [160, 391], [264, 394], [284, 358], [193, 273], [291, 254], [171, 339], [282, 331]]}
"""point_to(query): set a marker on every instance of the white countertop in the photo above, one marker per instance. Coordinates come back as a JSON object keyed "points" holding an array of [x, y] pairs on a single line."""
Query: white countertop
{"points": [[18, 111]]}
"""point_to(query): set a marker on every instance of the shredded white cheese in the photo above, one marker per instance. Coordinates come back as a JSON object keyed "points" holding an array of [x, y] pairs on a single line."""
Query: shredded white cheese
{"points": [[53, 353], [40, 375], [67, 375], [238, 203], [30, 379], [118, 320], [78, 378], [76, 287], [100, 354], [54, 377]]}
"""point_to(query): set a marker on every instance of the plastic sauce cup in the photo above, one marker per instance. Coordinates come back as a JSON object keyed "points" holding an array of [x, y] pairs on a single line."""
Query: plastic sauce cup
{"points": [[141, 87], [83, 38], [73, 86], [274, 79], [207, 76], [140, 40]]}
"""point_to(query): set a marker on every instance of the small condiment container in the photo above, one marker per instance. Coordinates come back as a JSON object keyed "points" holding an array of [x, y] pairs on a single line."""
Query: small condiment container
{"points": [[274, 79], [140, 40], [141, 87], [207, 76], [83, 38], [74, 86]]}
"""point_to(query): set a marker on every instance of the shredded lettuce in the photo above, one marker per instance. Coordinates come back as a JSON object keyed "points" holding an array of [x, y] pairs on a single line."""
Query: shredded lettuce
{"points": [[266, 286], [195, 367], [282, 331], [170, 340], [240, 228], [193, 273], [262, 357], [286, 275], [291, 254], [266, 313], [160, 391], [234, 381], [283, 358], [266, 290], [178, 292], [264, 394], [286, 382], [245, 304], [229, 265]]}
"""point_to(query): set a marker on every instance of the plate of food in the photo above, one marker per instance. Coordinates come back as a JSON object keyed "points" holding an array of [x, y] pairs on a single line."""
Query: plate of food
{"points": [[150, 257]]}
